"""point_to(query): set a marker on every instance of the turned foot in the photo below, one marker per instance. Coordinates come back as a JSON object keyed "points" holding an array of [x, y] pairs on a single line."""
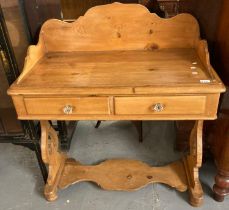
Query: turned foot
{"points": [[196, 196], [195, 202], [50, 193], [216, 196], [221, 187]]}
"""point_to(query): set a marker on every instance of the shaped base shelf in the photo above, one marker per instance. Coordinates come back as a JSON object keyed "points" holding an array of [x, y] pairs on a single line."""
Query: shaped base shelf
{"points": [[121, 174]]}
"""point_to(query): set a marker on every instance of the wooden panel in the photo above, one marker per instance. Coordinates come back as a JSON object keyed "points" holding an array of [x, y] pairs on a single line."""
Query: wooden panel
{"points": [[72, 9], [5, 100], [212, 104], [2, 131], [219, 138], [207, 13], [50, 106], [38, 11], [17, 32], [222, 43], [124, 26], [117, 117], [174, 7], [121, 174], [171, 105], [8, 121], [9, 3], [19, 105]]}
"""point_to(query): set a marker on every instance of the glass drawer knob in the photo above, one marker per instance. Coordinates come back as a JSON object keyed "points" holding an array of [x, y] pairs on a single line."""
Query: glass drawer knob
{"points": [[68, 109], [158, 107]]}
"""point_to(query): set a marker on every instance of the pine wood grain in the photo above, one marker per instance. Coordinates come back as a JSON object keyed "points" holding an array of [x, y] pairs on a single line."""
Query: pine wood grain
{"points": [[172, 105], [119, 72], [120, 26], [121, 174], [116, 68], [53, 158], [85, 105], [119, 62], [193, 162]]}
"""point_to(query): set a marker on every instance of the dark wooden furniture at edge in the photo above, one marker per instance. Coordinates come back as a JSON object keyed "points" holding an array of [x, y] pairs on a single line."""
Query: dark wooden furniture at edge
{"points": [[220, 145], [28, 136], [25, 133], [216, 30]]}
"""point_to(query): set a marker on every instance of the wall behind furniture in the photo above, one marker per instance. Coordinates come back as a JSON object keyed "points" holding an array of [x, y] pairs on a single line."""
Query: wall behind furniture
{"points": [[72, 9], [37, 12], [207, 13]]}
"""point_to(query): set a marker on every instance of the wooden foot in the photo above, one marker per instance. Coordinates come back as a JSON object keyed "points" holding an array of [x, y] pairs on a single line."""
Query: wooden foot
{"points": [[53, 158], [192, 164], [221, 187]]}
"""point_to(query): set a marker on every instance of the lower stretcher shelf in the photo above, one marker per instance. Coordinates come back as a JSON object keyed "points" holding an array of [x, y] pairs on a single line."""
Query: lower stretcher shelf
{"points": [[121, 174]]}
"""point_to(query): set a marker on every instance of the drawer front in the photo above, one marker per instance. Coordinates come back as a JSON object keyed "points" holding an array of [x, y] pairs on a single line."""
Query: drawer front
{"points": [[67, 106], [160, 105]]}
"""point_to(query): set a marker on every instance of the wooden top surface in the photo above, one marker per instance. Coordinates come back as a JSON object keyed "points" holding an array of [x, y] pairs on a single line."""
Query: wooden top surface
{"points": [[117, 69]]}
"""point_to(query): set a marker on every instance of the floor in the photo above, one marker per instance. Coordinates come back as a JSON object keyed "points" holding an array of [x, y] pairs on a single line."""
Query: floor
{"points": [[21, 184]]}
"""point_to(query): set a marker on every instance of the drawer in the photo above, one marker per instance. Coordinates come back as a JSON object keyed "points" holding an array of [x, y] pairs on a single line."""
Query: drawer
{"points": [[60, 106], [160, 105]]}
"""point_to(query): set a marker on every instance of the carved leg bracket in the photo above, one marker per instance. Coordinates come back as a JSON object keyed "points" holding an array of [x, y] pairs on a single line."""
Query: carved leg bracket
{"points": [[192, 164], [53, 158]]}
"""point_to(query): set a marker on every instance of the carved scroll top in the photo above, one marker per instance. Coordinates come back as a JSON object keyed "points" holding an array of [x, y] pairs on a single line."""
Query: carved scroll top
{"points": [[120, 27]]}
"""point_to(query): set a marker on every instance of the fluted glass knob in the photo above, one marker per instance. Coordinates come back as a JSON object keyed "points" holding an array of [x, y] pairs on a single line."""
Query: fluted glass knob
{"points": [[68, 109], [158, 107]]}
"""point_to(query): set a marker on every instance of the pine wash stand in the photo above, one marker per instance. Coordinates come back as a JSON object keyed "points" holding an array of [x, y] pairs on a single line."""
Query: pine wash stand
{"points": [[119, 62]]}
